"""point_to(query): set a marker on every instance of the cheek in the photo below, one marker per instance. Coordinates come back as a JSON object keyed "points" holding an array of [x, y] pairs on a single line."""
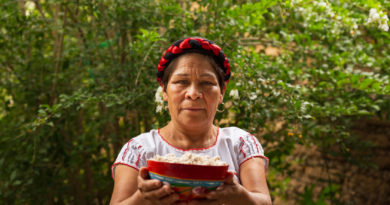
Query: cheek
{"points": [[215, 99], [173, 96]]}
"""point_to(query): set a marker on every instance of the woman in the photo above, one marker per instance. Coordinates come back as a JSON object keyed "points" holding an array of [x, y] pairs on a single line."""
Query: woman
{"points": [[193, 74]]}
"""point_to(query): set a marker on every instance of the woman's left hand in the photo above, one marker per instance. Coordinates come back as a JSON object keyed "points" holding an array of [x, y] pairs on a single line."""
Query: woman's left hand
{"points": [[226, 193]]}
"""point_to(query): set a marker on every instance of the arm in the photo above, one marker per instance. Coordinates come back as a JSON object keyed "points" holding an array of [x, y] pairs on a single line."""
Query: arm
{"points": [[252, 175], [253, 190], [133, 187]]}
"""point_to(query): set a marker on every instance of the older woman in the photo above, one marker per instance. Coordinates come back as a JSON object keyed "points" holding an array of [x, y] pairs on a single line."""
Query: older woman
{"points": [[193, 74]]}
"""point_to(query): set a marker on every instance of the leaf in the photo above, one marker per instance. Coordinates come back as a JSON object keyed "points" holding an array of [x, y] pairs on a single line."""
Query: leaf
{"points": [[13, 175]]}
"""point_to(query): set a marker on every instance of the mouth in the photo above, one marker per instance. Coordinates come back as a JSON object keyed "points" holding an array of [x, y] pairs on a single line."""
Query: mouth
{"points": [[193, 109]]}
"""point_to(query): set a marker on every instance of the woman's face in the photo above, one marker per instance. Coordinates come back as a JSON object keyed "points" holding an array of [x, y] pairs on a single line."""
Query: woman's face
{"points": [[193, 92]]}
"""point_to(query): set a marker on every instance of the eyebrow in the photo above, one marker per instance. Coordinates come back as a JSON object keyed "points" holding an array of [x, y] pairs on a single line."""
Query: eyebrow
{"points": [[201, 75], [206, 75], [181, 74]]}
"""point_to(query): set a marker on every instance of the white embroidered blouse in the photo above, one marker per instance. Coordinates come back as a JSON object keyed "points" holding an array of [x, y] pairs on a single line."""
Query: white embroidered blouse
{"points": [[233, 145]]}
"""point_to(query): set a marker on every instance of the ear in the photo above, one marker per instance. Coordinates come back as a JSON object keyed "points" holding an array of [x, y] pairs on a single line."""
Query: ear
{"points": [[165, 96], [223, 93]]}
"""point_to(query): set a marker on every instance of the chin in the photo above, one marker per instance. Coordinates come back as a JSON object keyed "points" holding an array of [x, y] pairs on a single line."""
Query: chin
{"points": [[194, 122]]}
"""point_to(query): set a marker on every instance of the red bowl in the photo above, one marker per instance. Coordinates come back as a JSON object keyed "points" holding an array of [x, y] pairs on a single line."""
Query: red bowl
{"points": [[189, 180], [188, 171]]}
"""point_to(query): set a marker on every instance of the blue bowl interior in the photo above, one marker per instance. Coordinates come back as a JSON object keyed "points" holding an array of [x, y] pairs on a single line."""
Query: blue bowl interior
{"points": [[186, 182]]}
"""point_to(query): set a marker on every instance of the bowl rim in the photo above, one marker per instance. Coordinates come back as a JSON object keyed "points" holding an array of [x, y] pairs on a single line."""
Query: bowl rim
{"points": [[185, 164], [188, 171]]}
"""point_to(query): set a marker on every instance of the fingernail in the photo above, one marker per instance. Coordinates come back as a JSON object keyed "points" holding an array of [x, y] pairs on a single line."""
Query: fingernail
{"points": [[165, 183], [210, 196]]}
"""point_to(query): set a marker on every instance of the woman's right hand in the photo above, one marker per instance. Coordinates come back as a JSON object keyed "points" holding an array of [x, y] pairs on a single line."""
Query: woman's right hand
{"points": [[155, 191]]}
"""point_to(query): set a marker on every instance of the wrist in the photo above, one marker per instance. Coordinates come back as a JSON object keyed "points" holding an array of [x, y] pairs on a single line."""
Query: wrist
{"points": [[138, 198], [244, 196], [241, 196]]}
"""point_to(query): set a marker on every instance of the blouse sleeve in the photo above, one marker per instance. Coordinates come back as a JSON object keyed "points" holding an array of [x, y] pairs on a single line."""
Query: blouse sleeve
{"points": [[250, 148], [131, 154]]}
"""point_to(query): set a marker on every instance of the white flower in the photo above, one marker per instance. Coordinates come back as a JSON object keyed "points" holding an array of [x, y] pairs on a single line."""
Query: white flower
{"points": [[158, 98], [321, 4], [29, 6], [234, 94], [383, 23], [159, 95], [384, 27], [379, 18], [252, 96], [294, 2], [159, 108], [375, 17]]}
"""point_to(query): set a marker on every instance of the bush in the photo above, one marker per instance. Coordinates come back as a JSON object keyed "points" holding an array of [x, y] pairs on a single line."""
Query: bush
{"points": [[78, 81]]}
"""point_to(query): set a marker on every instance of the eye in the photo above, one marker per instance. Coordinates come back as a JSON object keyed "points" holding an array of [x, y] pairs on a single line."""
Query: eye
{"points": [[208, 83], [182, 82]]}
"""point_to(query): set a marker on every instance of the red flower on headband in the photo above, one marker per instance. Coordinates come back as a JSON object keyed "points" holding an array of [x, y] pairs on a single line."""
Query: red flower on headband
{"points": [[176, 50], [215, 49], [163, 61], [168, 50], [160, 67], [227, 66], [185, 44], [205, 45]]}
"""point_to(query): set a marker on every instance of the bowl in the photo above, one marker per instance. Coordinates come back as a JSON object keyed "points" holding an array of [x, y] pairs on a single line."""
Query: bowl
{"points": [[188, 180]]}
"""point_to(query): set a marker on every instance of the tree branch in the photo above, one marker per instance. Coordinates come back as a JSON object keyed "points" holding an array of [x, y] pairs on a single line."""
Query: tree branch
{"points": [[58, 56]]}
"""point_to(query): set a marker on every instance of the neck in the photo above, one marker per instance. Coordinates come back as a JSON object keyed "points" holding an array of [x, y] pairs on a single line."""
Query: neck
{"points": [[187, 138]]}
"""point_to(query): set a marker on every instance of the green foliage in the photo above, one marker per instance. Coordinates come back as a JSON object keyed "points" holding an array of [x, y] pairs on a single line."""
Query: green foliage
{"points": [[77, 81], [307, 197]]}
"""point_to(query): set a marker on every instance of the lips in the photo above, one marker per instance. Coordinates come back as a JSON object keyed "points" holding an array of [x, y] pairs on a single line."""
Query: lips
{"points": [[193, 108]]}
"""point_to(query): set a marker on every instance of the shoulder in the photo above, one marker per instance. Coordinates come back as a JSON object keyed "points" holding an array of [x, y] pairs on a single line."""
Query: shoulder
{"points": [[147, 139], [239, 137], [233, 133]]}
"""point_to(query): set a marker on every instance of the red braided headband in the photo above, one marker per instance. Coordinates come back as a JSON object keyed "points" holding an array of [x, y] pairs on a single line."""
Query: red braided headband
{"points": [[189, 45]]}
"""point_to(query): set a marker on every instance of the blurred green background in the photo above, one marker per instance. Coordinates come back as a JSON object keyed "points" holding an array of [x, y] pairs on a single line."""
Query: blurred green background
{"points": [[77, 81]]}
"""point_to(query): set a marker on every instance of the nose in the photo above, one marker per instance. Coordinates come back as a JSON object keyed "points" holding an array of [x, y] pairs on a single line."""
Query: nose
{"points": [[193, 92]]}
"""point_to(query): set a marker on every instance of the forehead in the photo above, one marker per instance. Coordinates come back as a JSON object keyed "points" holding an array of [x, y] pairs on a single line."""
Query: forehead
{"points": [[193, 63]]}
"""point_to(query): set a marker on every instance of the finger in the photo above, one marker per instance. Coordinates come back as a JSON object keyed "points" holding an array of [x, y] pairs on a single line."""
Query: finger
{"points": [[221, 187], [229, 178], [160, 193], [203, 202], [149, 185], [219, 193], [144, 173], [212, 195], [170, 199], [224, 193], [200, 191]]}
